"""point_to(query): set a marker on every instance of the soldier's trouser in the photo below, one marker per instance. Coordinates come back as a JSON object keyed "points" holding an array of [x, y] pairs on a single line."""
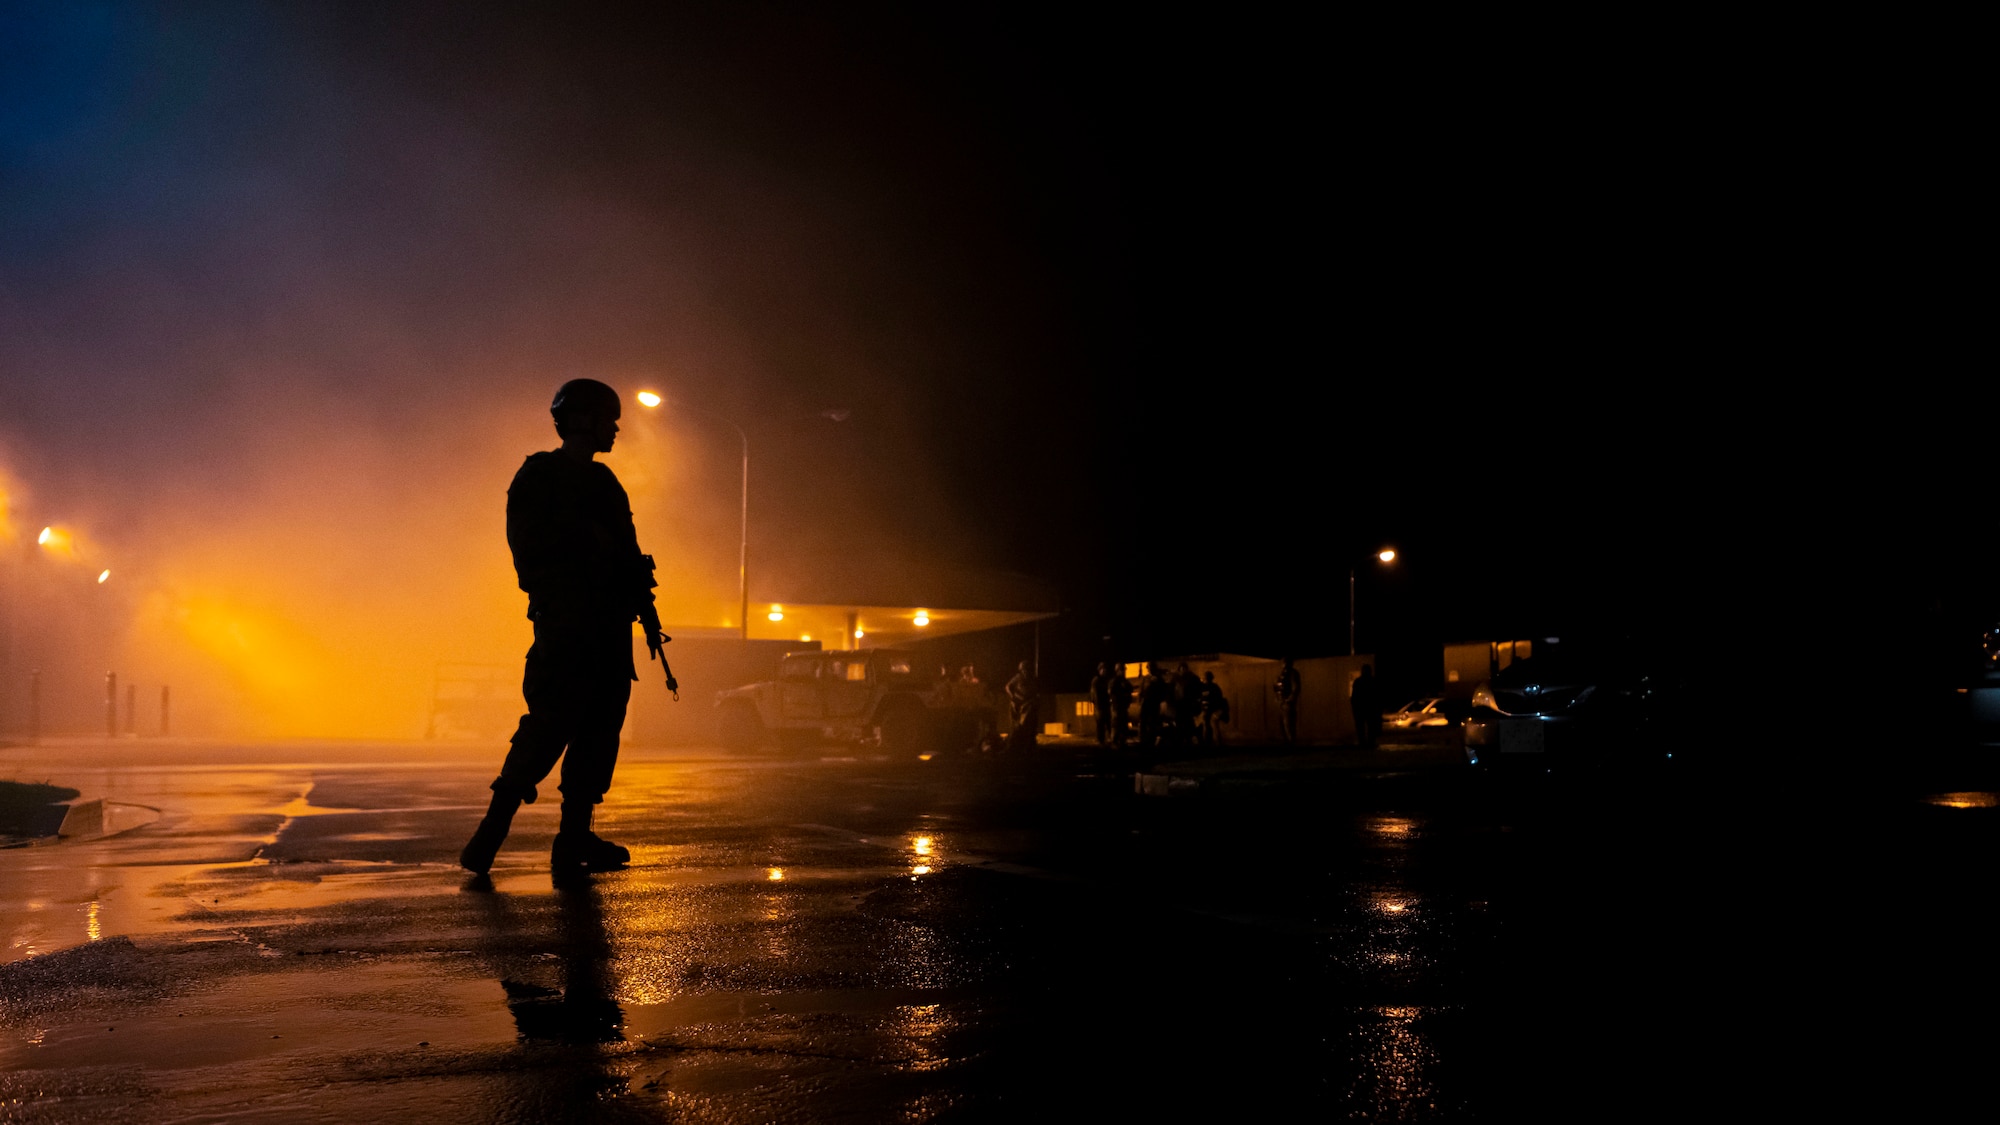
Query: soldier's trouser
{"points": [[577, 685]]}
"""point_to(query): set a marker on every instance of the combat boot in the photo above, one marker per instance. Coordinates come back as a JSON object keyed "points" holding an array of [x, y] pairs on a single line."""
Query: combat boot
{"points": [[578, 850], [477, 856]]}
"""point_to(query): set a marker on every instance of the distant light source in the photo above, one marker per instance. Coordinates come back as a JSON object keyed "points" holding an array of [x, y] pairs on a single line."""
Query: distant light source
{"points": [[777, 613], [923, 618], [1964, 800], [921, 845], [1386, 554], [47, 534], [648, 398], [858, 634], [106, 574], [776, 875], [805, 636]]}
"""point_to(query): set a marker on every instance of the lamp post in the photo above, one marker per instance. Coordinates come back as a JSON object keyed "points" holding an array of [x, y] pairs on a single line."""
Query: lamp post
{"points": [[1386, 555], [652, 400]]}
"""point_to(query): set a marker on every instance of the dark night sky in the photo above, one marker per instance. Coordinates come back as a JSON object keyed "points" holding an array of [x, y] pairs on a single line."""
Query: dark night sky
{"points": [[1182, 314]]}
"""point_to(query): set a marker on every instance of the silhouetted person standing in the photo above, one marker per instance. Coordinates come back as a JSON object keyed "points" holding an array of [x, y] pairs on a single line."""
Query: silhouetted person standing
{"points": [[1100, 702], [1366, 700], [1214, 710], [1121, 705], [1024, 704], [569, 525], [1187, 706], [1155, 697], [1288, 688]]}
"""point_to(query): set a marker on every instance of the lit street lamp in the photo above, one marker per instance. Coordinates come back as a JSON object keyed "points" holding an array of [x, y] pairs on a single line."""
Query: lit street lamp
{"points": [[1386, 555], [652, 399]]}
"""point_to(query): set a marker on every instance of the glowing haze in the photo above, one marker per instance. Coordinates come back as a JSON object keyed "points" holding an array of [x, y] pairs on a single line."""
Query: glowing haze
{"points": [[286, 297]]}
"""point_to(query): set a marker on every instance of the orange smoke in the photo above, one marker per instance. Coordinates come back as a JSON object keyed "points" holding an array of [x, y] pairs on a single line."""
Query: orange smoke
{"points": [[322, 604]]}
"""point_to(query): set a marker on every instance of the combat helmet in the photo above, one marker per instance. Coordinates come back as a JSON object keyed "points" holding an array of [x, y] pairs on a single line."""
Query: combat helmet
{"points": [[587, 396]]}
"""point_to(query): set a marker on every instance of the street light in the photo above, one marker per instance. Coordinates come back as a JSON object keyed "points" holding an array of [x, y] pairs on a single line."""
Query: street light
{"points": [[1385, 555], [652, 400]]}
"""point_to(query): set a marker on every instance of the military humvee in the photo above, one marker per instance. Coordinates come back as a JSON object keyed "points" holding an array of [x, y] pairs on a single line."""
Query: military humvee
{"points": [[882, 696]]}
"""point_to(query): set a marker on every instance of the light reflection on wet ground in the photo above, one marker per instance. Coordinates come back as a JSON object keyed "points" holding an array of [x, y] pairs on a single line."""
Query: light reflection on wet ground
{"points": [[846, 937], [767, 941]]}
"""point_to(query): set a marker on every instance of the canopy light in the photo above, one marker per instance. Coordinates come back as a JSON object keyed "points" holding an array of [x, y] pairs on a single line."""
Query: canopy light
{"points": [[923, 618], [47, 534], [648, 398], [1386, 554], [103, 576]]}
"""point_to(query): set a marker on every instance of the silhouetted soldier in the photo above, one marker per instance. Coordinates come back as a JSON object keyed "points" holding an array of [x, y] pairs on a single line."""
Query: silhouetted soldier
{"points": [[576, 554], [1187, 706], [1288, 688], [1214, 710], [1024, 704], [1121, 705], [1100, 701], [1155, 697], [1366, 700]]}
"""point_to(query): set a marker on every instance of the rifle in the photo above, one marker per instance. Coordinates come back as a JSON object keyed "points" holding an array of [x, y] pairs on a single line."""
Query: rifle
{"points": [[656, 643], [656, 638]]}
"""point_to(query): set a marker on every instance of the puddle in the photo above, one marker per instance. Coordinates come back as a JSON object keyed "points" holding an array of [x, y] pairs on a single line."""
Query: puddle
{"points": [[349, 1008]]}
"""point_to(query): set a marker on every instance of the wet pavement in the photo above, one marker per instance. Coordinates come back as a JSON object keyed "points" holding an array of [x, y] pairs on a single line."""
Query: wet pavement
{"points": [[279, 932]]}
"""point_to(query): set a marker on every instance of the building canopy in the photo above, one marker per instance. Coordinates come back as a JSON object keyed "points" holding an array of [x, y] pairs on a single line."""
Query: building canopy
{"points": [[887, 602]]}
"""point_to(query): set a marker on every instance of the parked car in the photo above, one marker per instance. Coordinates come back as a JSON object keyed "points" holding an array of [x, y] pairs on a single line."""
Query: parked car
{"points": [[1417, 713], [1564, 708]]}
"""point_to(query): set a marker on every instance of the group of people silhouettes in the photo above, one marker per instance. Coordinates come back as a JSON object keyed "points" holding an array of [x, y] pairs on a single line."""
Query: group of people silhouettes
{"points": [[1175, 708], [1364, 700], [1022, 695]]}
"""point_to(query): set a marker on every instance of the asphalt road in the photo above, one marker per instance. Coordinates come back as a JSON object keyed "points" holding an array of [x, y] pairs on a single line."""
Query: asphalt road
{"points": [[849, 938]]}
